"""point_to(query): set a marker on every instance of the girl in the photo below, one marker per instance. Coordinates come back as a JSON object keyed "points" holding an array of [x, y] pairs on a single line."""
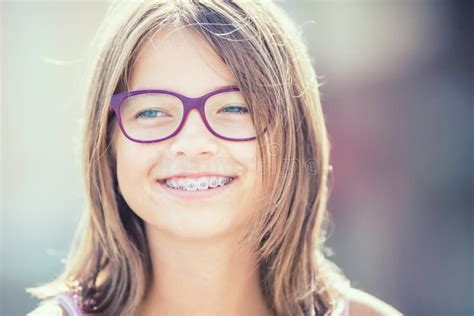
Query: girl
{"points": [[206, 162]]}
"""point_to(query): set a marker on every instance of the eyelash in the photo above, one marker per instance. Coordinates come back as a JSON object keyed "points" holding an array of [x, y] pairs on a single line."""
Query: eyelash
{"points": [[242, 109]]}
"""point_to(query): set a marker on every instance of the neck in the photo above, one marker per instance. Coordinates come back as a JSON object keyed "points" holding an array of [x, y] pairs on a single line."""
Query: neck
{"points": [[211, 277]]}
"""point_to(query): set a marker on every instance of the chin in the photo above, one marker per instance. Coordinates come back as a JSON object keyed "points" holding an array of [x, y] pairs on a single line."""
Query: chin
{"points": [[192, 223]]}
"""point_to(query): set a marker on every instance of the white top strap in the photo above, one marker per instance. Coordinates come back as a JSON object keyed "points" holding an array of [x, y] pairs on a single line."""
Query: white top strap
{"points": [[68, 303]]}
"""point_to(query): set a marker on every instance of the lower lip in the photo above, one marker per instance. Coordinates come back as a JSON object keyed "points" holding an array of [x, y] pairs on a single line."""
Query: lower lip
{"points": [[198, 194]]}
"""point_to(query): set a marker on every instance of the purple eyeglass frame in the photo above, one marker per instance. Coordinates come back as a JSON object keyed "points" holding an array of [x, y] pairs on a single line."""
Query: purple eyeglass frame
{"points": [[188, 104]]}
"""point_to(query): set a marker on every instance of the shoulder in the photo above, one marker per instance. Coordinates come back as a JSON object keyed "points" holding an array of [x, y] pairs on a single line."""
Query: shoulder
{"points": [[49, 307], [365, 304]]}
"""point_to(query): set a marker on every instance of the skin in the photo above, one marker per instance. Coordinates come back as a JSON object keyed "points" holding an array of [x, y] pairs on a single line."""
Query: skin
{"points": [[365, 304], [198, 268]]}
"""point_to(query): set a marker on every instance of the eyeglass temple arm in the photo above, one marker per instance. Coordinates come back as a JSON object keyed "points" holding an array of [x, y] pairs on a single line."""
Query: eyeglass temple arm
{"points": [[111, 109]]}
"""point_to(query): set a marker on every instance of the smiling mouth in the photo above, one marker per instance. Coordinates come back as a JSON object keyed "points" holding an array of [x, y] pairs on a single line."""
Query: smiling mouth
{"points": [[187, 184]]}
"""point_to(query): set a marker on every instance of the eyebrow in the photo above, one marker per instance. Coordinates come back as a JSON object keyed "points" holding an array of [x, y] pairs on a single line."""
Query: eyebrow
{"points": [[232, 84]]}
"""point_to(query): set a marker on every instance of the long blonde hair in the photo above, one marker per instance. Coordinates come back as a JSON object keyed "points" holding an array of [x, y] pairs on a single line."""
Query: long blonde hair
{"points": [[109, 264]]}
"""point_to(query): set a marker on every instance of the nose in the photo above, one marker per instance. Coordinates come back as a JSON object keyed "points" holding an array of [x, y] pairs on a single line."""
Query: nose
{"points": [[194, 139]]}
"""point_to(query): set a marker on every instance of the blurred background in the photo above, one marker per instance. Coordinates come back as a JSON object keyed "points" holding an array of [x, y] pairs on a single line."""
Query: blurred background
{"points": [[397, 91]]}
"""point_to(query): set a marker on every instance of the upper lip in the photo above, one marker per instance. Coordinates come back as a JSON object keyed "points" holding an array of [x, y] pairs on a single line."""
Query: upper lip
{"points": [[196, 175]]}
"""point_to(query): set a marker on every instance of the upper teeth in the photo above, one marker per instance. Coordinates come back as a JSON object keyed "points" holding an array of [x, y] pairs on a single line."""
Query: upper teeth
{"points": [[202, 183]]}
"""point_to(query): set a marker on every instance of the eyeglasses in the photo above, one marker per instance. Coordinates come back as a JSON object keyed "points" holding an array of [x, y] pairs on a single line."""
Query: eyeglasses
{"points": [[148, 116]]}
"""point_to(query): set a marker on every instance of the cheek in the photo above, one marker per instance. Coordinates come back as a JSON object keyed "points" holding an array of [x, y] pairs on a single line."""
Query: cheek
{"points": [[128, 173], [133, 170], [253, 163], [247, 156], [254, 173]]}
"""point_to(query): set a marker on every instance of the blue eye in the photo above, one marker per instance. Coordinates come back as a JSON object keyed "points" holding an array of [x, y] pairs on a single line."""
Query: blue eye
{"points": [[150, 114], [235, 109]]}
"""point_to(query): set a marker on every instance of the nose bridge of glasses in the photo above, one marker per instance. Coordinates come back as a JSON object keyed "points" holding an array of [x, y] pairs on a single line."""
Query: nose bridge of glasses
{"points": [[194, 104]]}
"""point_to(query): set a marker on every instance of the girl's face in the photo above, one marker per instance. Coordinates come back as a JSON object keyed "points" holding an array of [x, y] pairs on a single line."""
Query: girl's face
{"points": [[182, 62]]}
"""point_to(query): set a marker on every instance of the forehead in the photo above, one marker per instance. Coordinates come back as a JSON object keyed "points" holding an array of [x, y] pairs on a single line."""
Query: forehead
{"points": [[181, 61]]}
